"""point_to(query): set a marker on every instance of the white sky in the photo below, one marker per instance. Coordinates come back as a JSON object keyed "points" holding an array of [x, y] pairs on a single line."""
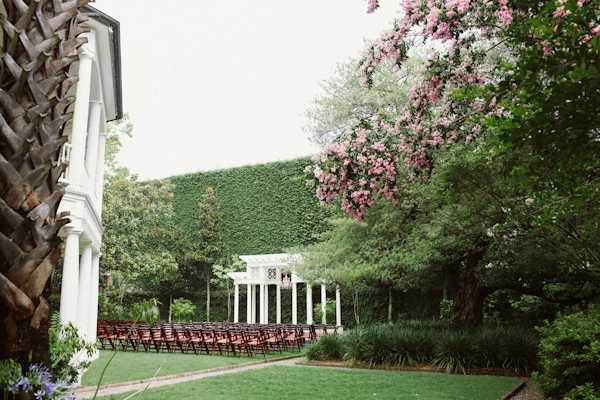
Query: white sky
{"points": [[220, 84]]}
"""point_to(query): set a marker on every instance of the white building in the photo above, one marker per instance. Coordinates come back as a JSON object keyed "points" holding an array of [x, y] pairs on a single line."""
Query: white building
{"points": [[264, 271], [98, 100]]}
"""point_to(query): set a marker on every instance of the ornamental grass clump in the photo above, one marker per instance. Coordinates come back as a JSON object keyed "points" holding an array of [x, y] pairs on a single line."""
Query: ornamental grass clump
{"points": [[454, 351], [328, 347], [519, 347]]}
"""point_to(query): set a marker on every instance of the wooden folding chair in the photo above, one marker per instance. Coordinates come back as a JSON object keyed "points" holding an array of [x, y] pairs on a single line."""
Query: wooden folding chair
{"points": [[168, 338], [273, 339], [121, 339], [291, 338], [208, 338], [157, 339], [254, 342], [182, 339]]}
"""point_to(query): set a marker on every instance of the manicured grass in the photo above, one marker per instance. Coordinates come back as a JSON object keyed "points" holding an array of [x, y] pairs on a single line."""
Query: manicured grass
{"points": [[130, 366], [279, 382]]}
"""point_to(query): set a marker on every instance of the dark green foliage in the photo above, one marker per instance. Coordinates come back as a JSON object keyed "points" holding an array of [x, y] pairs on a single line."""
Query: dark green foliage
{"points": [[454, 349], [570, 356], [266, 208], [326, 348], [519, 348]]}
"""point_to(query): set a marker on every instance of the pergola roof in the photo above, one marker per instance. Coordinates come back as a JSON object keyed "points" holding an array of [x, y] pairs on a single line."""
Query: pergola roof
{"points": [[265, 269]]}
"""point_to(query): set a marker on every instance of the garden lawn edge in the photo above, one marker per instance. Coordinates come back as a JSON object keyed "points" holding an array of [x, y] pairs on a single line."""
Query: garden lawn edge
{"points": [[81, 389]]}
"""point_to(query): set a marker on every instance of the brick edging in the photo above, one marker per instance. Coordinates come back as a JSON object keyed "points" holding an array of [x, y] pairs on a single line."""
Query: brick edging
{"points": [[82, 389], [514, 390]]}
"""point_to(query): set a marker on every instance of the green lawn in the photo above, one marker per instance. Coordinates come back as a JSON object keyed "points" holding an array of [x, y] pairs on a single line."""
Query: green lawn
{"points": [[279, 382], [130, 366]]}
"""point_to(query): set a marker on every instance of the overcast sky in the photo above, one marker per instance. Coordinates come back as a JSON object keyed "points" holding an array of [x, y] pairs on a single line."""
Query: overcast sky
{"points": [[219, 84]]}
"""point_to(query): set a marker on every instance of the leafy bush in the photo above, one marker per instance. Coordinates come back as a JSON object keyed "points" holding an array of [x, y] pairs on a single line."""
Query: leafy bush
{"points": [[329, 312], [182, 310], [146, 310], [65, 343], [570, 356]]}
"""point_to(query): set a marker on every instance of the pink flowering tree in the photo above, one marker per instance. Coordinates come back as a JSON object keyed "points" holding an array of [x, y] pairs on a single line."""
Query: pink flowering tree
{"points": [[511, 78]]}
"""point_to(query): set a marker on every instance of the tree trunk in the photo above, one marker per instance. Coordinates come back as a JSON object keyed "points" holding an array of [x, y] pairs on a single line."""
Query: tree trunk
{"points": [[390, 304], [467, 296], [39, 45], [208, 294], [467, 307], [170, 307]]}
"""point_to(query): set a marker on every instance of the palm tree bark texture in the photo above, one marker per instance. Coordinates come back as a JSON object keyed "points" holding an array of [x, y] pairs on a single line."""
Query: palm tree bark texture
{"points": [[39, 44]]}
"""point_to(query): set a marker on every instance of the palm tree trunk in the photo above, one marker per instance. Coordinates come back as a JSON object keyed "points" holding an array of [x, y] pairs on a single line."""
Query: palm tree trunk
{"points": [[39, 44]]}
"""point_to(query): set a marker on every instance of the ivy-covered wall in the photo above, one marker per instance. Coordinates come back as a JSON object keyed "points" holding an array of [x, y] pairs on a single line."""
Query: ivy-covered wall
{"points": [[267, 208]]}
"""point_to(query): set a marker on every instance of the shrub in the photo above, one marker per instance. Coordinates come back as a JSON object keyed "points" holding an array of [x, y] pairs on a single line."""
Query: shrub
{"points": [[65, 343], [182, 310], [328, 347], [570, 356]]}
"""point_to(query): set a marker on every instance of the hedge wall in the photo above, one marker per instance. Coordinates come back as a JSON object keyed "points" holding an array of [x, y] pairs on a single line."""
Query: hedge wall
{"points": [[267, 208]]}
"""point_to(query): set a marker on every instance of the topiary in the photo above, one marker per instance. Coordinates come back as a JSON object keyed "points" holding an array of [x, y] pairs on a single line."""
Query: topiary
{"points": [[570, 356]]}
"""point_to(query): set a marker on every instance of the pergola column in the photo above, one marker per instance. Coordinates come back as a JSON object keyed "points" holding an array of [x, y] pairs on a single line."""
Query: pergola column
{"points": [[253, 304], [309, 305], [93, 310], [266, 304], [236, 304], [338, 306], [249, 305], [262, 303], [294, 303], [83, 303], [323, 301], [70, 279], [278, 303]]}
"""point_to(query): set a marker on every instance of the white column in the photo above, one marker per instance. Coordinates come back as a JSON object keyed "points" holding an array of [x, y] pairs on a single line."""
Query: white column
{"points": [[294, 303], [279, 303], [254, 304], [83, 304], [249, 305], [93, 310], [91, 153], [70, 279], [236, 304], [338, 306], [100, 165], [323, 301], [262, 303], [80, 117], [266, 304], [309, 305]]}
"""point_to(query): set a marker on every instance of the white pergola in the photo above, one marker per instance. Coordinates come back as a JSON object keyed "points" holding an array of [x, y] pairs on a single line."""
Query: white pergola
{"points": [[264, 270]]}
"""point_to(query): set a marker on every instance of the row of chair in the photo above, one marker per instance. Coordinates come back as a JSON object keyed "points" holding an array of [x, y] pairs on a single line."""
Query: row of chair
{"points": [[246, 340]]}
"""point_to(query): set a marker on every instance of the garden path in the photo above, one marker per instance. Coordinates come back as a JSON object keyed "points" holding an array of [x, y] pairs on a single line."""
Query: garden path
{"points": [[87, 392]]}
